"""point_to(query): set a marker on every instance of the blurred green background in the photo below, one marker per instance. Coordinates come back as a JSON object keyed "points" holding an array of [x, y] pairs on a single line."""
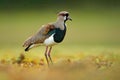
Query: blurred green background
{"points": [[95, 22], [95, 29]]}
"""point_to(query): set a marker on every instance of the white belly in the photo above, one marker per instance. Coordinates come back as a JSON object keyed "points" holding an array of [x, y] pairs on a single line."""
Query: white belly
{"points": [[50, 41]]}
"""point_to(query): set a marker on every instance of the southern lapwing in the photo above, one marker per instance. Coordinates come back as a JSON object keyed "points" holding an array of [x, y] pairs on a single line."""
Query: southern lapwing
{"points": [[49, 35]]}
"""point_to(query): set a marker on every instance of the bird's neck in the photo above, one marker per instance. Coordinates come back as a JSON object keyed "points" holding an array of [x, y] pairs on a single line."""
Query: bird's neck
{"points": [[60, 24]]}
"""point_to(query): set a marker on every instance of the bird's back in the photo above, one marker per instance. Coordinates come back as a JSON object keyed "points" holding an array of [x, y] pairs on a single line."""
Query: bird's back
{"points": [[40, 35]]}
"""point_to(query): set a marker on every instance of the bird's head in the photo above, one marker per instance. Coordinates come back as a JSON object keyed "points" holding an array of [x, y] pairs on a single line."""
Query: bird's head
{"points": [[64, 15]]}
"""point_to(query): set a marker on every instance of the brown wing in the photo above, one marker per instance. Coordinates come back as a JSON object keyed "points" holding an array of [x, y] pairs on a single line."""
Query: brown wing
{"points": [[40, 36]]}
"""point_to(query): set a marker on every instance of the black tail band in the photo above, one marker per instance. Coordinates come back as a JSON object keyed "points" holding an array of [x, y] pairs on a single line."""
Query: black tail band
{"points": [[27, 49]]}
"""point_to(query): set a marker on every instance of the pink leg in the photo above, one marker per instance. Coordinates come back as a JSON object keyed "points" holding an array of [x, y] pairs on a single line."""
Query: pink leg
{"points": [[49, 54], [46, 55]]}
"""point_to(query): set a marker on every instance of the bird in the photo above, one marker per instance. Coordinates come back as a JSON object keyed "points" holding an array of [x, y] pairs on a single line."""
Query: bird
{"points": [[49, 35]]}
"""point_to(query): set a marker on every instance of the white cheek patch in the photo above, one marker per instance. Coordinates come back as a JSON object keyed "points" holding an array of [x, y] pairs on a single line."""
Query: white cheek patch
{"points": [[65, 17]]}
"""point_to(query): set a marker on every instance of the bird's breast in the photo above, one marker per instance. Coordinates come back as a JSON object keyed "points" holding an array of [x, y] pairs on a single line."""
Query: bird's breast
{"points": [[59, 35], [56, 36]]}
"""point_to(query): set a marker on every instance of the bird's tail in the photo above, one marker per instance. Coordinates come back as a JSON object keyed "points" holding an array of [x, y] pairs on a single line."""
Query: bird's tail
{"points": [[28, 42], [27, 48], [31, 46]]}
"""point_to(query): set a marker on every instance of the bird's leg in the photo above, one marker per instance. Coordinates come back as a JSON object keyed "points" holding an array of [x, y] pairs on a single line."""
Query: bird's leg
{"points": [[49, 54], [46, 55]]}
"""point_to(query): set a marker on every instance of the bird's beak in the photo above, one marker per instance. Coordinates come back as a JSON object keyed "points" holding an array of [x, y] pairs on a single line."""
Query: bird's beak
{"points": [[69, 18]]}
